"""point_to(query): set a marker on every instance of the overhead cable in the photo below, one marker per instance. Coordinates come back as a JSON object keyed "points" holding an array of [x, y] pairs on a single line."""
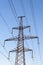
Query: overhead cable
{"points": [[6, 23], [23, 9], [13, 9], [34, 21], [33, 16], [5, 57], [5, 51]]}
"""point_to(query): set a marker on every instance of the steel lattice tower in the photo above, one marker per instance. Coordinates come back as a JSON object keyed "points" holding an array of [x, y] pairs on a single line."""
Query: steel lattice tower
{"points": [[20, 49]]}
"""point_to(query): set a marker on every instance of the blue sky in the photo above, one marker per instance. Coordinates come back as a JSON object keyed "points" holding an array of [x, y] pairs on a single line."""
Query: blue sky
{"points": [[33, 10]]}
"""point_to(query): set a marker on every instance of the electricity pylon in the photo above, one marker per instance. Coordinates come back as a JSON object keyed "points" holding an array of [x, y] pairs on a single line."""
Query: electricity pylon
{"points": [[20, 49]]}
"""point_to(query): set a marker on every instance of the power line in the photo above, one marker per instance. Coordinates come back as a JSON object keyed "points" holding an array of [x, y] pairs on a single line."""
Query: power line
{"points": [[13, 9], [33, 16], [6, 23], [5, 57], [22, 6], [38, 49], [34, 21], [5, 51], [11, 34], [23, 9]]}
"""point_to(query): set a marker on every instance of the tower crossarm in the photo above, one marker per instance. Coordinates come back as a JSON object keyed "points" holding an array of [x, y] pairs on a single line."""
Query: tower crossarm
{"points": [[14, 50], [17, 28], [10, 39], [27, 49], [14, 28], [23, 27], [26, 27], [30, 37]]}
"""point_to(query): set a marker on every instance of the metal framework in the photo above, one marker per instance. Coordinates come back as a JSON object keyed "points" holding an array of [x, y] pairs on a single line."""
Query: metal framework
{"points": [[20, 49]]}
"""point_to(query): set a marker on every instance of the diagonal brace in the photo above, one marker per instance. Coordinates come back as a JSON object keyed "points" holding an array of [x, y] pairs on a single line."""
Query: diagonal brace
{"points": [[10, 39]]}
